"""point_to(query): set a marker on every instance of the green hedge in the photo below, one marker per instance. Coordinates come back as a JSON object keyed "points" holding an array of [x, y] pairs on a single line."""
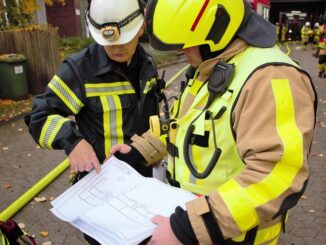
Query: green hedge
{"points": [[70, 45]]}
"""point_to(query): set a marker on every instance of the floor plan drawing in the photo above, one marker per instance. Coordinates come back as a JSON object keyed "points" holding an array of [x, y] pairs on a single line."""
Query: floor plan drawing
{"points": [[116, 205]]}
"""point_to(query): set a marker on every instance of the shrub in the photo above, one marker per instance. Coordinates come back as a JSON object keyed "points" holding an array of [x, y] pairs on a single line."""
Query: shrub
{"points": [[70, 45]]}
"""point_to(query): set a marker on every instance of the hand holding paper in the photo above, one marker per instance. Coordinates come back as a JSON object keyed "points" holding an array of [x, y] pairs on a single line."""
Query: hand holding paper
{"points": [[116, 206]]}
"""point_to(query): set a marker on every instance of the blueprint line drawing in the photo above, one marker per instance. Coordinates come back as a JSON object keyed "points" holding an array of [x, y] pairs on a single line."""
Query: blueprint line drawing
{"points": [[116, 205]]}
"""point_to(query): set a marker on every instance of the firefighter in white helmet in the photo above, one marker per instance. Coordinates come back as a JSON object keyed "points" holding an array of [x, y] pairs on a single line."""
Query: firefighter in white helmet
{"points": [[241, 130], [111, 88], [306, 32]]}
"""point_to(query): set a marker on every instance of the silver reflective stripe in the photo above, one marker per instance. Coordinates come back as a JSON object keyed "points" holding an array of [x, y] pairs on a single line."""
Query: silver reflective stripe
{"points": [[192, 179], [50, 130], [65, 94], [112, 121], [106, 89]]}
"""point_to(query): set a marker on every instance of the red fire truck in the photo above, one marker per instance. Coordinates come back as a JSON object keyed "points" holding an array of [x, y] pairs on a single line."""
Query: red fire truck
{"points": [[262, 7]]}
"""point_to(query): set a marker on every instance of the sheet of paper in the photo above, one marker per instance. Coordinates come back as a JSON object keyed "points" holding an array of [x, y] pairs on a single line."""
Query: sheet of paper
{"points": [[118, 203]]}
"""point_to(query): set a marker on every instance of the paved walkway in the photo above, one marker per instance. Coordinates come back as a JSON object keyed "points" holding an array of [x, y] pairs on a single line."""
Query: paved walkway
{"points": [[22, 164]]}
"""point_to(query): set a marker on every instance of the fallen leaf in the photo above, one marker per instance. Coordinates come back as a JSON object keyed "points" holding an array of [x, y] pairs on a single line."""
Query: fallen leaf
{"points": [[323, 125], [311, 211], [38, 147], [51, 198], [303, 197], [7, 186], [44, 233], [17, 166], [40, 199], [5, 148], [321, 155], [20, 129], [47, 243], [29, 154], [314, 154], [21, 225]]}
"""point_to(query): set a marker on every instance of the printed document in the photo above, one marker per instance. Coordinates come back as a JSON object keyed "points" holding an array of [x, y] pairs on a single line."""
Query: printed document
{"points": [[115, 206]]}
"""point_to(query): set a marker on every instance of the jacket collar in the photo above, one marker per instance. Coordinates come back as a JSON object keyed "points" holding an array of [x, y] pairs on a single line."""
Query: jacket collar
{"points": [[103, 64], [205, 68]]}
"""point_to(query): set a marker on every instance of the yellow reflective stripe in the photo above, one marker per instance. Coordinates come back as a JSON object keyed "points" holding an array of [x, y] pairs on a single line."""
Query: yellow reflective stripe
{"points": [[106, 124], [119, 119], [112, 121], [4, 240], [287, 168], [106, 89], [50, 129], [195, 87], [149, 85], [108, 85], [65, 94], [239, 205], [242, 202], [269, 233], [239, 238]]}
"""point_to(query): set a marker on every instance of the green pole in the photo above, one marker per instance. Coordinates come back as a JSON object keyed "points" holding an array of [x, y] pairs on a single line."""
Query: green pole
{"points": [[33, 191]]}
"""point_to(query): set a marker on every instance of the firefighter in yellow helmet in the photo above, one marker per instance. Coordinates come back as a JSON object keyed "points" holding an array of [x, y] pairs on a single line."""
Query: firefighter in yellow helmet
{"points": [[284, 30], [322, 52], [277, 31], [241, 129]]}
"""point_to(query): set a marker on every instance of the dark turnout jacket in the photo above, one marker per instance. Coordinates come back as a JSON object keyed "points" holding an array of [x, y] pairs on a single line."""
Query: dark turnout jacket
{"points": [[110, 102]]}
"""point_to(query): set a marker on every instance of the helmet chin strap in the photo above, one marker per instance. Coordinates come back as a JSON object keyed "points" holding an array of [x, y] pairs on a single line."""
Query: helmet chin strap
{"points": [[206, 53]]}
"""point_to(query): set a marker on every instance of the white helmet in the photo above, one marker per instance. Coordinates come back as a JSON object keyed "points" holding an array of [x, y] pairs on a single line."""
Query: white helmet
{"points": [[307, 24], [114, 22], [316, 24]]}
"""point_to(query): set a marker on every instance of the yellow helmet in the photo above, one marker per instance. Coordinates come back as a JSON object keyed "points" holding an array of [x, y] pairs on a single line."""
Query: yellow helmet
{"points": [[176, 24]]}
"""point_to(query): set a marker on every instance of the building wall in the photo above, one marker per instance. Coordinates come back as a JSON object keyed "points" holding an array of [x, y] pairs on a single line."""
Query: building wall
{"points": [[65, 17], [83, 8]]}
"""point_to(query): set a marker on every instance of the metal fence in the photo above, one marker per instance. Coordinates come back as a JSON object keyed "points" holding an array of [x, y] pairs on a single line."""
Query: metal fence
{"points": [[40, 47]]}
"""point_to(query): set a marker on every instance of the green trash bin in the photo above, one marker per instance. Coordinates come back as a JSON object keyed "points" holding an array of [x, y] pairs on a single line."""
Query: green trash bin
{"points": [[13, 77]]}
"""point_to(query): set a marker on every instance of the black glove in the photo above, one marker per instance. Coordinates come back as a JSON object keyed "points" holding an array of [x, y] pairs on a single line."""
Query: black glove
{"points": [[182, 228], [135, 160]]}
